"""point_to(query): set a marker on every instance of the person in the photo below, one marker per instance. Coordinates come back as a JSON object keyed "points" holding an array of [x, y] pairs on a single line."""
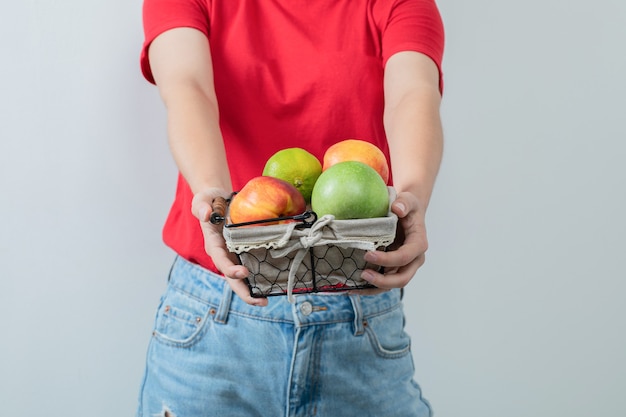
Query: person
{"points": [[240, 80]]}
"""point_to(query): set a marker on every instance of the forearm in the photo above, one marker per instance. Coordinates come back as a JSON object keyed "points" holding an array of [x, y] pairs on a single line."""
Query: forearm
{"points": [[415, 138], [195, 139], [181, 63], [412, 123]]}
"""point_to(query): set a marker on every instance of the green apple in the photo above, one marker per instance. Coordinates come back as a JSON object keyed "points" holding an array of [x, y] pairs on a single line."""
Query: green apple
{"points": [[350, 190]]}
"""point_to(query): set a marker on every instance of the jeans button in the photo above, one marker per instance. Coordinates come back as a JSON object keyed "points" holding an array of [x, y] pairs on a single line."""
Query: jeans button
{"points": [[306, 308]]}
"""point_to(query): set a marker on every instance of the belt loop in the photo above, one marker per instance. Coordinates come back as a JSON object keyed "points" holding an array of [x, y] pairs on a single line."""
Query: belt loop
{"points": [[222, 311], [359, 329]]}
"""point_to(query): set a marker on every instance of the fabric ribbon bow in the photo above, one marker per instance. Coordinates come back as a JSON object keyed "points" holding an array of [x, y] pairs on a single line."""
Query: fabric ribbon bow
{"points": [[314, 237]]}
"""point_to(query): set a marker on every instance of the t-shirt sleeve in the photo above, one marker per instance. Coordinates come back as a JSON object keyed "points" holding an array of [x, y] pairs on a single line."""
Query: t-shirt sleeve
{"points": [[415, 25], [162, 15]]}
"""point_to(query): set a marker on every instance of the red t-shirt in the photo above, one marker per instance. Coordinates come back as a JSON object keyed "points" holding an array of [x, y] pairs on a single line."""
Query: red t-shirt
{"points": [[303, 73]]}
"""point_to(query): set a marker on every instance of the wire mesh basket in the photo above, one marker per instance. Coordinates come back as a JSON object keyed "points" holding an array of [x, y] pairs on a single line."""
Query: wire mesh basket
{"points": [[309, 254]]}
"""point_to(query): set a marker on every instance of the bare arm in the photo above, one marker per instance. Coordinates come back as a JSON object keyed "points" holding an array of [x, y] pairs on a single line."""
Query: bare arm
{"points": [[180, 60], [413, 127], [413, 124], [181, 64]]}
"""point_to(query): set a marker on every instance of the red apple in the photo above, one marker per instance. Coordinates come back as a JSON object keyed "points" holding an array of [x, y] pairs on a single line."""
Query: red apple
{"points": [[357, 150], [265, 198]]}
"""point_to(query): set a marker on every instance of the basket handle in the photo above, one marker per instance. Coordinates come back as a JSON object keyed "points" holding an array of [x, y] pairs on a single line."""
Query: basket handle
{"points": [[306, 219], [218, 206]]}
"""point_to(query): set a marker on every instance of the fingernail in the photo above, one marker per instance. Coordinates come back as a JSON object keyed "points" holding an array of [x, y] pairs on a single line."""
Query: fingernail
{"points": [[370, 256], [367, 275], [401, 207], [241, 274], [203, 213]]}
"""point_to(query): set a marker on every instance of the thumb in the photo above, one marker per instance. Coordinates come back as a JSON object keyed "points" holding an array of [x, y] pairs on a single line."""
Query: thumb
{"points": [[404, 204], [201, 204], [202, 210], [399, 207]]}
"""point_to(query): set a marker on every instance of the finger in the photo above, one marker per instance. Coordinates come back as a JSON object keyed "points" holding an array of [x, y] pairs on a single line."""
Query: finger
{"points": [[214, 242], [404, 204], [396, 278], [234, 273], [240, 288], [404, 255], [203, 210], [200, 207], [227, 263], [399, 208], [225, 260], [201, 202]]}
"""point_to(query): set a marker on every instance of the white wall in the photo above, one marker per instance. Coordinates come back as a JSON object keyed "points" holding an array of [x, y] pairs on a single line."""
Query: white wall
{"points": [[518, 310]]}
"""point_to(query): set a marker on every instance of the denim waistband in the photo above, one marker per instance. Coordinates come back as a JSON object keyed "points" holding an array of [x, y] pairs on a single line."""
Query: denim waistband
{"points": [[308, 309]]}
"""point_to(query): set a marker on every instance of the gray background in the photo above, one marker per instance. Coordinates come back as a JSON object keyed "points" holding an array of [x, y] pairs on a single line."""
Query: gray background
{"points": [[519, 310]]}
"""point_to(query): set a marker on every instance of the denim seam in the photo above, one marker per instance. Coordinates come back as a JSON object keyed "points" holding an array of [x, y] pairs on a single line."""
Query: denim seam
{"points": [[326, 322], [383, 312], [193, 339], [191, 295], [313, 323], [182, 344], [378, 348], [252, 316], [381, 351]]}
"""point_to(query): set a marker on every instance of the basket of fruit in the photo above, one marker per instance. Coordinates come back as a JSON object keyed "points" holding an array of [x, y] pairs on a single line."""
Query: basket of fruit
{"points": [[305, 234]]}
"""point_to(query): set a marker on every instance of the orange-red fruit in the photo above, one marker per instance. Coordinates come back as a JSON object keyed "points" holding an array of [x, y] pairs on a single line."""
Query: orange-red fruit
{"points": [[265, 198], [357, 150]]}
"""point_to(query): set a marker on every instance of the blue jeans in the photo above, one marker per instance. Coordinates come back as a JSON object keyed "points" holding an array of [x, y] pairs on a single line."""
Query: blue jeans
{"points": [[337, 355]]}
